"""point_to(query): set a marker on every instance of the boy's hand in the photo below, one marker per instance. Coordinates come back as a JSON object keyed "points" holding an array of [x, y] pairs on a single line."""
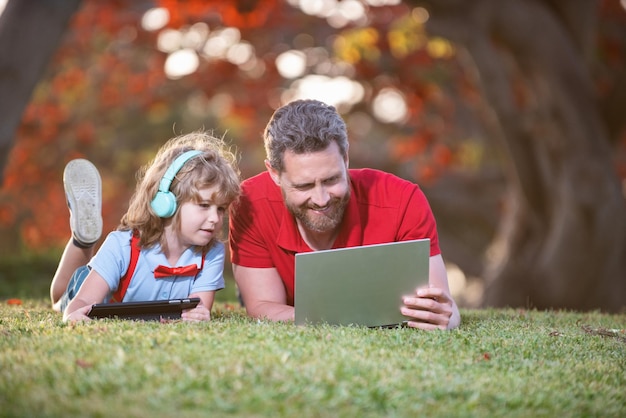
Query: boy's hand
{"points": [[199, 313], [79, 314]]}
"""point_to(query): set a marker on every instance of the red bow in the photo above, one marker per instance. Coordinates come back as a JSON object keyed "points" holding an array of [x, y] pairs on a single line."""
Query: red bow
{"points": [[165, 271]]}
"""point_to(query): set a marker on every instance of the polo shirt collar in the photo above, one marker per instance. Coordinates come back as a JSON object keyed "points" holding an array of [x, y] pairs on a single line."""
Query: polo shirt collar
{"points": [[154, 256], [350, 233]]}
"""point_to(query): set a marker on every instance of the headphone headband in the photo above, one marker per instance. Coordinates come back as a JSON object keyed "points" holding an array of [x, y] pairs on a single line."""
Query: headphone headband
{"points": [[164, 202], [173, 169]]}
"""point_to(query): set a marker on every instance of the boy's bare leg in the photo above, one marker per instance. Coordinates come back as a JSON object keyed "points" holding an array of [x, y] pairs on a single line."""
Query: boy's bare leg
{"points": [[83, 190], [73, 257]]}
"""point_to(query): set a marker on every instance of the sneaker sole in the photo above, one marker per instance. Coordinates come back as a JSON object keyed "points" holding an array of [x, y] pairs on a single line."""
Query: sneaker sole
{"points": [[83, 189]]}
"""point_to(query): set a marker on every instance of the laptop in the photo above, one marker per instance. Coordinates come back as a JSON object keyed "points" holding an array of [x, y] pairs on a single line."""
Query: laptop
{"points": [[143, 311], [360, 286]]}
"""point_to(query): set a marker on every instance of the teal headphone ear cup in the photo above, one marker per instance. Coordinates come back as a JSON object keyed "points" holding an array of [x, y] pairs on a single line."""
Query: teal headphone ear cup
{"points": [[164, 204]]}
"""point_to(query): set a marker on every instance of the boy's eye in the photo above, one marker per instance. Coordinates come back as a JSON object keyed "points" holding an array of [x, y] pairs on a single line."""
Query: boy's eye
{"points": [[206, 205]]}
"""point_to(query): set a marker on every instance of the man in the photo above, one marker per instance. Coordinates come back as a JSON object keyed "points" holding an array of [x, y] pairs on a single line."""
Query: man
{"points": [[308, 199]]}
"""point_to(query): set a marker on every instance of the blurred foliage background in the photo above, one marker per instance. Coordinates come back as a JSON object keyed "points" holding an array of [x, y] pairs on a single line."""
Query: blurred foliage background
{"points": [[128, 75]]}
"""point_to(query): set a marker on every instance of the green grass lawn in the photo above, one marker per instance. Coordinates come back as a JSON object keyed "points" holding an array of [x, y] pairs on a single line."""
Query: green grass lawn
{"points": [[513, 363]]}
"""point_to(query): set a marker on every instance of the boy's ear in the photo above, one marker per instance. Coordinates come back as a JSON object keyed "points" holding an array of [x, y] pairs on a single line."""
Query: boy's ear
{"points": [[273, 172]]}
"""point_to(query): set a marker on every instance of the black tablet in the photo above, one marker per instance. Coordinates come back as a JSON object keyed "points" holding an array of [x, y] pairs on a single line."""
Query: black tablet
{"points": [[143, 311]]}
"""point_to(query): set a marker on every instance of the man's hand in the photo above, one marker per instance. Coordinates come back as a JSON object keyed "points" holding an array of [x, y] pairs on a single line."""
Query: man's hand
{"points": [[430, 308]]}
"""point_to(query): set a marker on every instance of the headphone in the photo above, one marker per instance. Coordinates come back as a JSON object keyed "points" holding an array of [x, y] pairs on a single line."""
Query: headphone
{"points": [[164, 202]]}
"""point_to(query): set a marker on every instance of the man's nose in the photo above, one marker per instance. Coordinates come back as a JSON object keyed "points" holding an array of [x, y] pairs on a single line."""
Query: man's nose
{"points": [[320, 196]]}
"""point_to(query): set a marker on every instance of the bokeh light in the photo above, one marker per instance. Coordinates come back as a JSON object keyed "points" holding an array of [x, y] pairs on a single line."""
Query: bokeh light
{"points": [[154, 19], [337, 91], [389, 106], [291, 64], [181, 63]]}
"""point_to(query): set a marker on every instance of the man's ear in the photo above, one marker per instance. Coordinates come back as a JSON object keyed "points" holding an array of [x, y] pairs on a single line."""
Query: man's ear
{"points": [[273, 172]]}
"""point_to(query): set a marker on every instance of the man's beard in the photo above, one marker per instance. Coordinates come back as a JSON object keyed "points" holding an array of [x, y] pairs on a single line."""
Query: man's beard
{"points": [[323, 222]]}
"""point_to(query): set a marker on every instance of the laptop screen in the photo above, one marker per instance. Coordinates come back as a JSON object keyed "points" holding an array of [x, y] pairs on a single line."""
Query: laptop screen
{"points": [[360, 286]]}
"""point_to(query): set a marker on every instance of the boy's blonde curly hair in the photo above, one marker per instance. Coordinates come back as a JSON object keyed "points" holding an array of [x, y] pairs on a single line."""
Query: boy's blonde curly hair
{"points": [[215, 166]]}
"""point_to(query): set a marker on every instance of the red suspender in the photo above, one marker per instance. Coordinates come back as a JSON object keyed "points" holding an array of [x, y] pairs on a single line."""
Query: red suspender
{"points": [[118, 296]]}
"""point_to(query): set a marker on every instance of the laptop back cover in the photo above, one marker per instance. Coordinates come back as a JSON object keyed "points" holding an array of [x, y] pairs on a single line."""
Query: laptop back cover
{"points": [[359, 285]]}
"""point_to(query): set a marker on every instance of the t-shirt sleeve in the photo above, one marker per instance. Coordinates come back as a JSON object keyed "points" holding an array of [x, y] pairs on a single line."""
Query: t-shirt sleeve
{"points": [[247, 244], [211, 277], [418, 220], [112, 259]]}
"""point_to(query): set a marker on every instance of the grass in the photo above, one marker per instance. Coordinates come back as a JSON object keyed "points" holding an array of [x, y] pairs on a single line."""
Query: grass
{"points": [[514, 363]]}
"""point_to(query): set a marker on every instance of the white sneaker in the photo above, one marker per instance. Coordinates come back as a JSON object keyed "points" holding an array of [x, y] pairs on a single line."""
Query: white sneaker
{"points": [[83, 189]]}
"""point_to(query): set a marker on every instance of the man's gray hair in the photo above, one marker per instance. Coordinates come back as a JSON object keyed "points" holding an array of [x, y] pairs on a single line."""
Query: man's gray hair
{"points": [[303, 126]]}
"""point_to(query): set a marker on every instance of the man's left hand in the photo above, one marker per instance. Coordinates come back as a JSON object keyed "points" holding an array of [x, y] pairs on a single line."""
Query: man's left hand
{"points": [[430, 308]]}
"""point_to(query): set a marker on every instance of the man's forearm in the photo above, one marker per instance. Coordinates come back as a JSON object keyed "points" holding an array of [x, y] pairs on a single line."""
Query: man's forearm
{"points": [[272, 311]]}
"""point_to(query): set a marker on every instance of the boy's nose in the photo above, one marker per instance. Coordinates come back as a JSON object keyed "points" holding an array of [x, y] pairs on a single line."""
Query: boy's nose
{"points": [[213, 215]]}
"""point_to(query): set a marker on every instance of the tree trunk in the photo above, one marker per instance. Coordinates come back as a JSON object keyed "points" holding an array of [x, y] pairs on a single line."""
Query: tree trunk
{"points": [[30, 31], [562, 239]]}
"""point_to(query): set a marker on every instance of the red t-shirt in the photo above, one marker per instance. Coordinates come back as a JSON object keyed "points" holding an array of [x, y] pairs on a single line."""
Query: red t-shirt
{"points": [[382, 208]]}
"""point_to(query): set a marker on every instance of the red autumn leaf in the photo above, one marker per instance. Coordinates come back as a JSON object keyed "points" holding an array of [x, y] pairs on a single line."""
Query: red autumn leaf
{"points": [[83, 364]]}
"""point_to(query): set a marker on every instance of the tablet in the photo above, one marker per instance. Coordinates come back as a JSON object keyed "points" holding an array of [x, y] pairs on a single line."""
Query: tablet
{"points": [[143, 311]]}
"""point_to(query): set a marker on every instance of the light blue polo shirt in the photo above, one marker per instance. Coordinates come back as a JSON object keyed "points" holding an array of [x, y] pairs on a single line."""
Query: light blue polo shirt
{"points": [[113, 258]]}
